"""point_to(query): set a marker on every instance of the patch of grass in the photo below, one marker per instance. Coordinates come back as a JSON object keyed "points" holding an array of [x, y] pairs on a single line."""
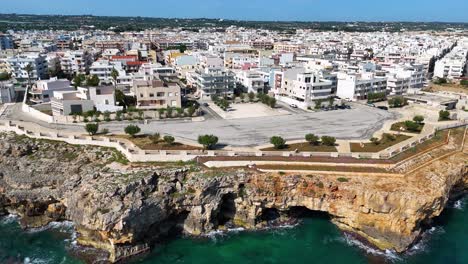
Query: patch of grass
{"points": [[118, 157], [69, 156], [401, 127], [385, 142], [341, 179]]}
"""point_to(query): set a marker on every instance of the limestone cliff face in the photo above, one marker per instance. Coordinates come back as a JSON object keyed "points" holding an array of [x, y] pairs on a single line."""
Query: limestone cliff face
{"points": [[126, 209]]}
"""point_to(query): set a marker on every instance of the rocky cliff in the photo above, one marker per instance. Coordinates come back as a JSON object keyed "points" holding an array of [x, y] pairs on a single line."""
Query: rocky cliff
{"points": [[126, 209]]}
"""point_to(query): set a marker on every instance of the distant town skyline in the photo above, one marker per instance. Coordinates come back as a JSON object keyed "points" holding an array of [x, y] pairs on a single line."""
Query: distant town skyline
{"points": [[263, 10]]}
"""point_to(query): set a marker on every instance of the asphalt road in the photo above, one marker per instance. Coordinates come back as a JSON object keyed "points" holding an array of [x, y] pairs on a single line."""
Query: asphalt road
{"points": [[357, 123]]}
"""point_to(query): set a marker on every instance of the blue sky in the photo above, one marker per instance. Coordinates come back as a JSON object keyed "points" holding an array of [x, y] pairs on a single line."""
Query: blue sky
{"points": [[304, 10]]}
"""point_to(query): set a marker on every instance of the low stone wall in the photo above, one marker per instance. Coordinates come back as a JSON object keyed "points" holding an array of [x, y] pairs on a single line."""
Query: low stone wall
{"points": [[135, 154]]}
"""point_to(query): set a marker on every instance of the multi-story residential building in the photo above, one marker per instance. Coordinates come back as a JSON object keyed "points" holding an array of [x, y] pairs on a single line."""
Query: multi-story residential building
{"points": [[214, 81], [251, 81], [76, 62], [7, 92], [156, 94], [302, 88], [64, 42], [6, 42], [103, 70], [358, 86], [18, 65], [103, 97], [43, 90]]}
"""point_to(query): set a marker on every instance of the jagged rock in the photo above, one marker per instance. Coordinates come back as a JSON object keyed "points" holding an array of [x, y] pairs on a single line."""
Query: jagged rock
{"points": [[125, 211]]}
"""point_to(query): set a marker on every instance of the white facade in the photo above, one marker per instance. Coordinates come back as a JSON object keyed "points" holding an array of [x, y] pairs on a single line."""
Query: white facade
{"points": [[214, 81], [19, 63], [7, 92], [359, 86], [103, 97], [43, 90], [76, 62], [251, 81]]}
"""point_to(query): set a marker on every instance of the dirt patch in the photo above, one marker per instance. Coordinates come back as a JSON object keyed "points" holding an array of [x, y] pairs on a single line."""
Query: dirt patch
{"points": [[383, 144]]}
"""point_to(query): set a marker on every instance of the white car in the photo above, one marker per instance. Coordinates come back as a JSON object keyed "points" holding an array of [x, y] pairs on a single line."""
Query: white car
{"points": [[293, 105]]}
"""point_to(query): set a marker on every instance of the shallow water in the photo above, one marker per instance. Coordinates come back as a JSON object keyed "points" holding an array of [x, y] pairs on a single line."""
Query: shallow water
{"points": [[315, 240]]}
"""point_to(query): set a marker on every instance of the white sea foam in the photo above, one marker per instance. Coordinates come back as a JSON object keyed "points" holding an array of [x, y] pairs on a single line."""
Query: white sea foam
{"points": [[388, 254], [65, 226], [460, 204], [8, 219]]}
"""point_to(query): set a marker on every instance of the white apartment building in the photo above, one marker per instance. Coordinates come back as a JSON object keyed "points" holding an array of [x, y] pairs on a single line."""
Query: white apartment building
{"points": [[251, 81], [19, 63], [359, 86], [452, 66], [302, 88], [76, 62], [103, 97], [214, 81], [103, 70], [43, 90]]}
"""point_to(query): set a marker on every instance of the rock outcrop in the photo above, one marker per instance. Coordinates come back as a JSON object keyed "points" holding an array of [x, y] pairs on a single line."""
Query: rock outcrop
{"points": [[125, 210]]}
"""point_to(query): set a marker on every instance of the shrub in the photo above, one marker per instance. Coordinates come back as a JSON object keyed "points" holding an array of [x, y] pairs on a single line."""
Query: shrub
{"points": [[444, 115], [92, 129], [251, 96], [155, 138], [388, 137], [208, 141], [278, 142], [132, 130], [398, 101], [464, 82], [312, 139], [341, 179], [272, 102], [328, 141], [169, 140]]}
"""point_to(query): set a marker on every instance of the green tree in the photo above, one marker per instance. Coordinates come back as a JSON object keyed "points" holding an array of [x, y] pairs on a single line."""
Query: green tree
{"points": [[251, 96], [464, 82], [132, 130], [78, 80], [412, 126], [169, 140], [92, 80], [398, 101], [155, 138], [375, 140], [92, 129], [208, 141], [278, 142], [418, 119], [444, 115], [312, 139], [4, 76], [328, 141]]}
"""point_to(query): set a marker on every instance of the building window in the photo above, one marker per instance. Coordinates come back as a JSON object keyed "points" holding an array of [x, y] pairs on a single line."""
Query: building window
{"points": [[151, 95]]}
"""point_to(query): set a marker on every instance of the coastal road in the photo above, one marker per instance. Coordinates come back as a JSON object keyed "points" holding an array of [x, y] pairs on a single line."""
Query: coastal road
{"points": [[357, 123]]}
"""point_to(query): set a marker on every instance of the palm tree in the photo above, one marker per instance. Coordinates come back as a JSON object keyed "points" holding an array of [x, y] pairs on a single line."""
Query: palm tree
{"points": [[29, 69], [115, 75]]}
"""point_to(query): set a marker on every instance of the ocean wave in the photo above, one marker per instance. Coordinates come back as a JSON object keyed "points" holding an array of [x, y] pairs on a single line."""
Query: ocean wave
{"points": [[65, 226], [388, 254], [8, 219], [422, 244], [459, 205], [28, 260]]}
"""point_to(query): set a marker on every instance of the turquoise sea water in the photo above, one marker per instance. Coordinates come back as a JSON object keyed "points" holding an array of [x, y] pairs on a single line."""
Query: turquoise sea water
{"points": [[315, 240]]}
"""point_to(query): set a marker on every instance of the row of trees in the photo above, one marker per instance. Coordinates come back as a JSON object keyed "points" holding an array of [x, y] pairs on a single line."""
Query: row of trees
{"points": [[266, 99], [280, 143], [398, 101]]}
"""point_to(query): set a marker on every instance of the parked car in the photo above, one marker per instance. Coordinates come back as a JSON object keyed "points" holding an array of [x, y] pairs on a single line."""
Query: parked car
{"points": [[293, 105], [206, 104], [382, 107], [371, 104]]}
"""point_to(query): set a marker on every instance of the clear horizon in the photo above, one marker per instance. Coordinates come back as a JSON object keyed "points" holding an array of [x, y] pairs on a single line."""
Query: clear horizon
{"points": [[261, 10]]}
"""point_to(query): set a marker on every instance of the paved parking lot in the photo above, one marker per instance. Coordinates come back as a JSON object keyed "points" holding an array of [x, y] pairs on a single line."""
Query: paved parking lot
{"points": [[248, 110], [358, 123]]}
